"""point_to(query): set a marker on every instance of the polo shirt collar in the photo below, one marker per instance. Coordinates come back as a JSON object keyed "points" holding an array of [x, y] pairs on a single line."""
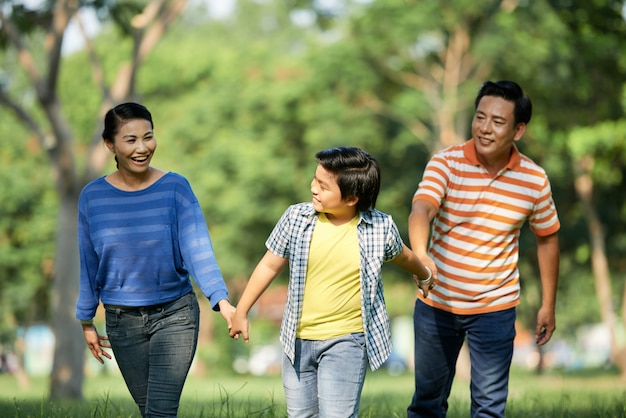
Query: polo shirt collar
{"points": [[470, 153]]}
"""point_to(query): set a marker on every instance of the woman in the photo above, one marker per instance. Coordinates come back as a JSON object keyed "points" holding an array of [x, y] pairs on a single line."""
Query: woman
{"points": [[142, 234]]}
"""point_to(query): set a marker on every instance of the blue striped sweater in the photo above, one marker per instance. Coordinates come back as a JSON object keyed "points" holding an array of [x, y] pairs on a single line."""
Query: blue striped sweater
{"points": [[140, 248]]}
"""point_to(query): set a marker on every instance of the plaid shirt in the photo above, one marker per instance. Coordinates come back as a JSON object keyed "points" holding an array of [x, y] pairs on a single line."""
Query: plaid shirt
{"points": [[379, 241]]}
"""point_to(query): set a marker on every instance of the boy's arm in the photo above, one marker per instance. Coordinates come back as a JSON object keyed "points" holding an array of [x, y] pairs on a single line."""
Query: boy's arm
{"points": [[423, 276], [265, 272]]}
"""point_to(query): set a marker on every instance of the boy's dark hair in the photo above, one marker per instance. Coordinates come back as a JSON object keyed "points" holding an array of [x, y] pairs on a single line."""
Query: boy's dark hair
{"points": [[358, 174], [117, 116], [511, 91]]}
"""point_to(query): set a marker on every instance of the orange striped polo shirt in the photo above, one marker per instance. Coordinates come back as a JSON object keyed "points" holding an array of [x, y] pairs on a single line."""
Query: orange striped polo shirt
{"points": [[475, 233]]}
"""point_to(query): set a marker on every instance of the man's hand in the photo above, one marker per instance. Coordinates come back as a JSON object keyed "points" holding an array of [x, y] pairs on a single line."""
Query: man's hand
{"points": [[546, 325], [426, 286]]}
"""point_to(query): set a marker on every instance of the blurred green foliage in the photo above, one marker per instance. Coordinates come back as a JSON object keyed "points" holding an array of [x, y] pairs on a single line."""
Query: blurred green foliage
{"points": [[242, 104]]}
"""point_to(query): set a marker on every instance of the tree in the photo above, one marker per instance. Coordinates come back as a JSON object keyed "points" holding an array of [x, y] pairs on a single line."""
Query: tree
{"points": [[600, 156], [590, 133], [22, 30], [563, 53], [243, 121], [26, 234]]}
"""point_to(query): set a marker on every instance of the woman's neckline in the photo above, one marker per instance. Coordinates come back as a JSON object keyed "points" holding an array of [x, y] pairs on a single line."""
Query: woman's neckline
{"points": [[116, 181]]}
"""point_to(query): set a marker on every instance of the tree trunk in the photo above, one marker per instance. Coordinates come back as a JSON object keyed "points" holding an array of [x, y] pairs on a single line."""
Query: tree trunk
{"points": [[66, 380], [599, 263], [149, 26]]}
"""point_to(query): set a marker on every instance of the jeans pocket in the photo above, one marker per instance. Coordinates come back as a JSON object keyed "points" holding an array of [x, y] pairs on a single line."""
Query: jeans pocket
{"points": [[112, 321], [359, 339], [183, 311]]}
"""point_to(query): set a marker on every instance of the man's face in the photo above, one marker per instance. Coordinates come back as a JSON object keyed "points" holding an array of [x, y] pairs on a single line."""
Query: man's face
{"points": [[494, 129]]}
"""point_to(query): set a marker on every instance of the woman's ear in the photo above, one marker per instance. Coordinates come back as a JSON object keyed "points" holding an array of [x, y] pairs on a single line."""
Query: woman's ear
{"points": [[109, 145]]}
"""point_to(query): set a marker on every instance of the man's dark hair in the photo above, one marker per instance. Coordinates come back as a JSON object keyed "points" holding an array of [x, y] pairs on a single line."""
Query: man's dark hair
{"points": [[511, 91]]}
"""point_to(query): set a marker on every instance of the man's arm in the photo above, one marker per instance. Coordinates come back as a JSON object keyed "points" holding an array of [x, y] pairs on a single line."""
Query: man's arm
{"points": [[548, 255], [422, 213]]}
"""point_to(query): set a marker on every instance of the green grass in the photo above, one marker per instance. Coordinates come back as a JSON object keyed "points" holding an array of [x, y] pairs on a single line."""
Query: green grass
{"points": [[552, 395]]}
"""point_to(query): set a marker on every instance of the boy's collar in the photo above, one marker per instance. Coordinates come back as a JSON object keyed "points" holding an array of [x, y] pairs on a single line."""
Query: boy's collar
{"points": [[364, 216]]}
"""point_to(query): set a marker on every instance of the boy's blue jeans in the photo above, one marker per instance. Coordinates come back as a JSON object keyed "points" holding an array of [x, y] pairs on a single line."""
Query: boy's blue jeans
{"points": [[327, 377], [154, 347], [439, 336]]}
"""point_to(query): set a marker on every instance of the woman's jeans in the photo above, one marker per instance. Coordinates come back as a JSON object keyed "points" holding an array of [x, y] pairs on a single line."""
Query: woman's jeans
{"points": [[154, 347], [327, 377], [439, 336]]}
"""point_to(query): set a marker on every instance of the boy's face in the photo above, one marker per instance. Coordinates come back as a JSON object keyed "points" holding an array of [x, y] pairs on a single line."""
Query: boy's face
{"points": [[327, 196]]}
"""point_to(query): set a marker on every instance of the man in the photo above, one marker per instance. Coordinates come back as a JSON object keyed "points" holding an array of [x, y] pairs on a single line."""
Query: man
{"points": [[477, 196]]}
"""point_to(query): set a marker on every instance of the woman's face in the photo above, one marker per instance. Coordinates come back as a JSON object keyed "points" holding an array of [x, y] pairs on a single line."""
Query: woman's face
{"points": [[134, 146]]}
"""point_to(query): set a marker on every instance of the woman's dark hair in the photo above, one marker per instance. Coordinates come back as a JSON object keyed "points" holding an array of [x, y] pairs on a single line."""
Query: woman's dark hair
{"points": [[117, 116], [511, 91], [358, 174]]}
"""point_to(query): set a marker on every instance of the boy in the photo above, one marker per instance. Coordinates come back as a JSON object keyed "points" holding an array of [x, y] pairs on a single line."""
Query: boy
{"points": [[335, 319]]}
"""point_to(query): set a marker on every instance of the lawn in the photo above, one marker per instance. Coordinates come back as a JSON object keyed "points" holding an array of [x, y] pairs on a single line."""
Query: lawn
{"points": [[552, 395]]}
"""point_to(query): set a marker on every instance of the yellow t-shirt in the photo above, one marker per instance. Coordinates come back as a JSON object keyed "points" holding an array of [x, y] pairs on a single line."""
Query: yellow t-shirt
{"points": [[332, 293]]}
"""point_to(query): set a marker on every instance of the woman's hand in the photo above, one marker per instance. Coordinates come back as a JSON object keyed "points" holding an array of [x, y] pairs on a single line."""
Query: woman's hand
{"points": [[227, 310], [96, 342]]}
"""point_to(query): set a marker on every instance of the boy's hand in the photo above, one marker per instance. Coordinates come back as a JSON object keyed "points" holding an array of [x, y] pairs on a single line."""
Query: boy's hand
{"points": [[240, 326], [429, 283], [426, 287]]}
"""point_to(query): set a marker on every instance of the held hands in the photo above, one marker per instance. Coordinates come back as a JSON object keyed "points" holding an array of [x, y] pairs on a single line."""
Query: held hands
{"points": [[428, 283], [96, 342], [240, 326]]}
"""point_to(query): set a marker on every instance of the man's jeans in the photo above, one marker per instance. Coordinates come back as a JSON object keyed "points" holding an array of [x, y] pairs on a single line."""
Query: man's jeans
{"points": [[154, 347], [327, 377], [439, 336]]}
